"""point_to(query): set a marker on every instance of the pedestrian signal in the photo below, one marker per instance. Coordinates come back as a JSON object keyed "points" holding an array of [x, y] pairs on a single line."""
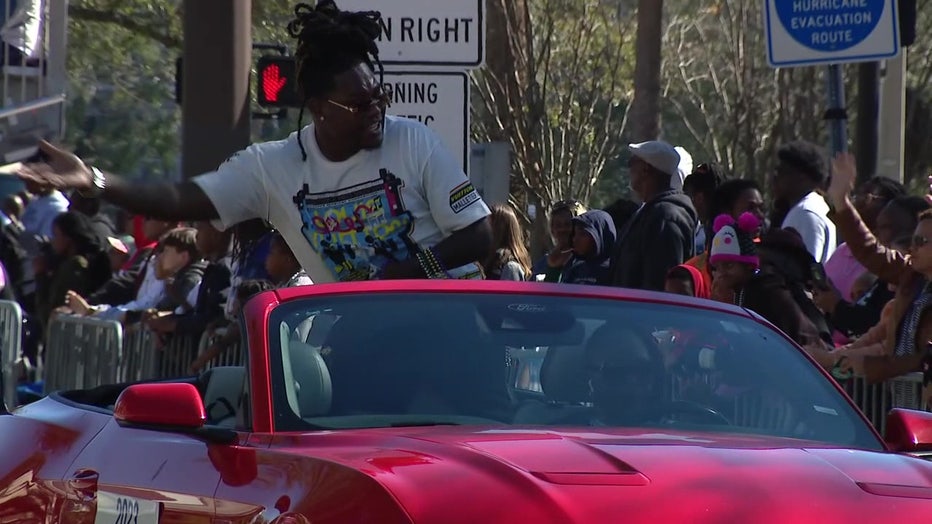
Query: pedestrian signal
{"points": [[277, 79]]}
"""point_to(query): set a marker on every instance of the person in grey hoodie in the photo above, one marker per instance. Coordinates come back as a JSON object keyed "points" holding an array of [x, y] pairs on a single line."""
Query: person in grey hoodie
{"points": [[662, 233]]}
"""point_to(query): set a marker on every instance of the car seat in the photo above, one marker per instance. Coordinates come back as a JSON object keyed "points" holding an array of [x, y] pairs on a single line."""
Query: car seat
{"points": [[306, 377], [223, 395]]}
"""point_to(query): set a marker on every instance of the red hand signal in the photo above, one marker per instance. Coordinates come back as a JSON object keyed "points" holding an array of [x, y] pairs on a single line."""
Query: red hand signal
{"points": [[272, 83]]}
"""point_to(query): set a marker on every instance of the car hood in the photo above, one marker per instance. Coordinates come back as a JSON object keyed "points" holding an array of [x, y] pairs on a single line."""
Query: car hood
{"points": [[455, 474]]}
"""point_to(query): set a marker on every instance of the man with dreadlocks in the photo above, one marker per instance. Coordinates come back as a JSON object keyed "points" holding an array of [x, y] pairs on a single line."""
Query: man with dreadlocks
{"points": [[356, 194]]}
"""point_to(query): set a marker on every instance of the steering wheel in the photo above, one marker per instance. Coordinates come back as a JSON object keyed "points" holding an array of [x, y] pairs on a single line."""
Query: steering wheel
{"points": [[686, 407]]}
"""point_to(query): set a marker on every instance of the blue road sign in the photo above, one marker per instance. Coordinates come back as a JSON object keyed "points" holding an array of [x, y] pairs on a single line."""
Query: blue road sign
{"points": [[808, 32]]}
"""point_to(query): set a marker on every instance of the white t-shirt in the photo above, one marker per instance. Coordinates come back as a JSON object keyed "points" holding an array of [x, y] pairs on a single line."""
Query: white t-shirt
{"points": [[346, 220], [809, 217]]}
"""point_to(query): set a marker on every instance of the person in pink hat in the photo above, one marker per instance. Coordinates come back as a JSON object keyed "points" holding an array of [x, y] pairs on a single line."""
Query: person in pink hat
{"points": [[735, 265]]}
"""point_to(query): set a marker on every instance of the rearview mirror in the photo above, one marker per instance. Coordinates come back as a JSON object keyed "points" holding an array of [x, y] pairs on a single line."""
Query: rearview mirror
{"points": [[909, 431], [164, 405]]}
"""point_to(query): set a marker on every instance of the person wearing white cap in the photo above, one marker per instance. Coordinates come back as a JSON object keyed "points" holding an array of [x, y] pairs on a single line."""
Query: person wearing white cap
{"points": [[661, 234], [684, 169]]}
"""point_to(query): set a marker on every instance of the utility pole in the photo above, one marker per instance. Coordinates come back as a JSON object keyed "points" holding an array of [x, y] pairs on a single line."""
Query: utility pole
{"points": [[645, 108], [892, 118], [865, 143], [215, 108]]}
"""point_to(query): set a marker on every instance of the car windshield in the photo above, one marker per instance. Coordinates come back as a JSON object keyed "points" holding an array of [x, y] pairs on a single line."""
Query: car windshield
{"points": [[418, 359]]}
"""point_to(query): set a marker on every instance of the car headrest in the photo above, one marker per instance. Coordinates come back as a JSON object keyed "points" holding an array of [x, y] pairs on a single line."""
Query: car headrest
{"points": [[225, 385], [311, 377], [563, 375]]}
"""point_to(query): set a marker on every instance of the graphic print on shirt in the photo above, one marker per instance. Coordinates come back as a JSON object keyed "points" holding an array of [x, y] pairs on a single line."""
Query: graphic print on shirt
{"points": [[358, 230]]}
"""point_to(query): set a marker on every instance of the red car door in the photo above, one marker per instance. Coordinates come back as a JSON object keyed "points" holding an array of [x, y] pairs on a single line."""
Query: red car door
{"points": [[143, 476]]}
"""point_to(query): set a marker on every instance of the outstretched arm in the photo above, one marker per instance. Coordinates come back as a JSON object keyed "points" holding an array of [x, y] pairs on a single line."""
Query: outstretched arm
{"points": [[165, 201], [161, 200]]}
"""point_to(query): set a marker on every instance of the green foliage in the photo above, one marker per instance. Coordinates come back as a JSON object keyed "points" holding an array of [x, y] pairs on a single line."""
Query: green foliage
{"points": [[122, 56], [121, 111]]}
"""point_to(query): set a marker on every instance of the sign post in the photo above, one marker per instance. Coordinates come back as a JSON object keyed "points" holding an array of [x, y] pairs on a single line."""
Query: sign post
{"points": [[447, 33], [832, 32], [439, 100]]}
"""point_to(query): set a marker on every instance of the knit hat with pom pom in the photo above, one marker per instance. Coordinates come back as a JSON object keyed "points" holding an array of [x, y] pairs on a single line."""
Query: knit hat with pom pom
{"points": [[734, 241]]}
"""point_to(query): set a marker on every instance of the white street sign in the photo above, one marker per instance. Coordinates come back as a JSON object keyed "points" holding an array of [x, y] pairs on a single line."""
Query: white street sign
{"points": [[428, 32], [440, 100], [808, 32]]}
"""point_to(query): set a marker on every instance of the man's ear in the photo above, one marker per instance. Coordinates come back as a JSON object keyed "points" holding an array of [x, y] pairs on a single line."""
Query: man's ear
{"points": [[314, 107]]}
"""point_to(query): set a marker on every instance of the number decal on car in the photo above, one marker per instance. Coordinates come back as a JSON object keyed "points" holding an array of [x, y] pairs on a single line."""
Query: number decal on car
{"points": [[114, 508]]}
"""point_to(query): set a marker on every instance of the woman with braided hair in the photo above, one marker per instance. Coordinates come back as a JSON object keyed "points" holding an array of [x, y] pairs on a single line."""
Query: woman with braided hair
{"points": [[356, 194]]}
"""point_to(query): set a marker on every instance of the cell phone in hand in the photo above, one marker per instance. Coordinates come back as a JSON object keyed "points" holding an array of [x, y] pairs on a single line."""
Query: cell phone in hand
{"points": [[819, 277]]}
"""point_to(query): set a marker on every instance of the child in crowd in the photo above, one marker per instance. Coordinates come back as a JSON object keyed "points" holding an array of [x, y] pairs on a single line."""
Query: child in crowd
{"points": [[549, 267], [508, 259], [283, 266], [735, 265], [687, 280], [591, 242], [244, 291], [285, 270], [214, 245]]}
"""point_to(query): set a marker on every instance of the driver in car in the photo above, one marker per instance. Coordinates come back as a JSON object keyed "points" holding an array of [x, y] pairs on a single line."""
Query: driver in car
{"points": [[626, 374], [626, 382]]}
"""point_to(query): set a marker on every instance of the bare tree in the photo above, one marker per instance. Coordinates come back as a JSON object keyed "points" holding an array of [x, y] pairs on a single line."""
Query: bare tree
{"points": [[734, 107], [563, 101]]}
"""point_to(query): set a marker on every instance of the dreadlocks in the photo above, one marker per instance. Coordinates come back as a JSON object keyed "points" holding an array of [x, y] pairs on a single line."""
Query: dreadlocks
{"points": [[331, 41]]}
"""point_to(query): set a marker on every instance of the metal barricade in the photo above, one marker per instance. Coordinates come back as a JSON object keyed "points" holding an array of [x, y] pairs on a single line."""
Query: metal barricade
{"points": [[174, 359], [876, 400], [140, 361], [86, 352], [233, 356], [82, 352], [11, 341]]}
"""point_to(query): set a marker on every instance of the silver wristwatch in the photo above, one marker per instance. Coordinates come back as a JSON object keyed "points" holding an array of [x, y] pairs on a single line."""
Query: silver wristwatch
{"points": [[98, 182]]}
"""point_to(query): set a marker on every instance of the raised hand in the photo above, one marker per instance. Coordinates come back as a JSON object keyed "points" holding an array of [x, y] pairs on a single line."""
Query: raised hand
{"points": [[60, 169], [844, 173]]}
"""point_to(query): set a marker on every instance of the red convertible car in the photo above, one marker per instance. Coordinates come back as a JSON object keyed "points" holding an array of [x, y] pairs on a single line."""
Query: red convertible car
{"points": [[466, 402]]}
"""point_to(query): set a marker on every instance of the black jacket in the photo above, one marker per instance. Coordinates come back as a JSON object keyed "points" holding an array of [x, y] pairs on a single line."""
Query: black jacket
{"points": [[769, 296], [122, 287], [211, 298], [180, 285], [659, 236]]}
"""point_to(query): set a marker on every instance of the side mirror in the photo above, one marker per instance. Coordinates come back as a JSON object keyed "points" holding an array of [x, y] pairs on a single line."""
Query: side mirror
{"points": [[161, 406], [909, 431]]}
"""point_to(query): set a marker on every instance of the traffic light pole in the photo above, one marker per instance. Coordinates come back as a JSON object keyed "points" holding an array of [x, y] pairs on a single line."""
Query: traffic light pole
{"points": [[215, 108]]}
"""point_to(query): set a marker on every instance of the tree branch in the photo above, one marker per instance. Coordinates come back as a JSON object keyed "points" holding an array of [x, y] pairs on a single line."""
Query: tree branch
{"points": [[140, 26]]}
